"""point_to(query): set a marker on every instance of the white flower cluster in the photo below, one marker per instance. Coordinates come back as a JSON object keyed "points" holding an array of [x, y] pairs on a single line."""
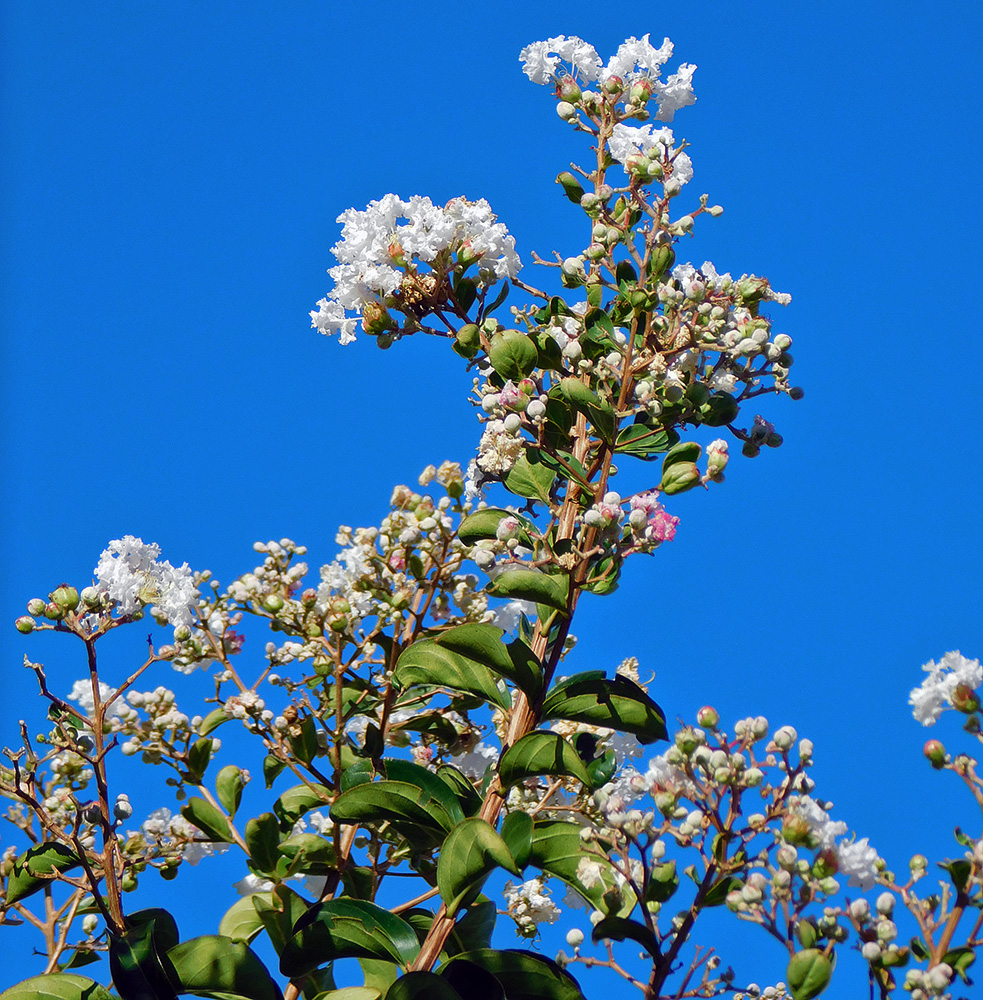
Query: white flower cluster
{"points": [[129, 574], [627, 141], [82, 693], [854, 858], [376, 248], [529, 905], [935, 692], [636, 60], [167, 832]]}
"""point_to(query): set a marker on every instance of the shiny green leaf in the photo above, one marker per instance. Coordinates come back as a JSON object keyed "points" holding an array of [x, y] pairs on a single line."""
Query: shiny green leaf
{"points": [[618, 929], [616, 703], [215, 966], [551, 590], [422, 986], [212, 721], [242, 921], [642, 441], [37, 867], [540, 753], [530, 477], [427, 662], [280, 911], [471, 852], [59, 986], [396, 801], [208, 819], [483, 644], [262, 836], [808, 974], [228, 788], [528, 976], [516, 831], [296, 801]]}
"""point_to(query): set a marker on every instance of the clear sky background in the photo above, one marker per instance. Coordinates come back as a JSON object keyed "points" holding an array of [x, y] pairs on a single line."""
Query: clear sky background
{"points": [[170, 180]]}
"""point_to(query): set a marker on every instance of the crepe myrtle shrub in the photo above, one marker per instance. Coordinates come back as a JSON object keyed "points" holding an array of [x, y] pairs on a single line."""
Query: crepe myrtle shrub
{"points": [[418, 719]]}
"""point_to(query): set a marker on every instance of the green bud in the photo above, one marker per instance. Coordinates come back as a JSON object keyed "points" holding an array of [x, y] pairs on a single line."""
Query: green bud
{"points": [[273, 603], [25, 624], [809, 973], [65, 597], [796, 392], [568, 90], [807, 932], [708, 717], [662, 260], [679, 477], [964, 699], [35, 606], [935, 752], [697, 393], [750, 450], [572, 188], [467, 342], [384, 341], [91, 597], [54, 611], [774, 440]]}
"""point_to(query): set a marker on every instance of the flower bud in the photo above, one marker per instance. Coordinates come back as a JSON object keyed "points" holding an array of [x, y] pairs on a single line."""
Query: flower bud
{"points": [[964, 699], [35, 606], [640, 92], [918, 863], [54, 611], [65, 597], [25, 624], [935, 752], [613, 85], [566, 110], [567, 89], [679, 477]]}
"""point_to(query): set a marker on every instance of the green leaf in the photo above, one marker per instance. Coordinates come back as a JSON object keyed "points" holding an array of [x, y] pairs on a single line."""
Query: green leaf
{"points": [[616, 703], [165, 932], [531, 585], [959, 871], [199, 756], [422, 986], [212, 721], [618, 929], [472, 981], [350, 993], [808, 974], [271, 769], [296, 801], [377, 974], [215, 966], [262, 836], [960, 959], [512, 354], [347, 928], [474, 929], [460, 784], [37, 867], [427, 662], [662, 884], [537, 754], [438, 790], [530, 477], [304, 745], [717, 893], [558, 850], [483, 644], [228, 787], [516, 831], [396, 801], [279, 913], [208, 819], [483, 525], [685, 451], [309, 853], [242, 921], [601, 769], [59, 986], [529, 977], [471, 852], [138, 970], [642, 441]]}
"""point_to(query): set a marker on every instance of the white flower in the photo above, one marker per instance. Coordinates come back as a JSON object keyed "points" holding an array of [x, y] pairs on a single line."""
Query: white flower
{"points": [[129, 573], [528, 904], [935, 692], [540, 59], [858, 860], [498, 450], [251, 884], [82, 693], [637, 59], [475, 762], [630, 140]]}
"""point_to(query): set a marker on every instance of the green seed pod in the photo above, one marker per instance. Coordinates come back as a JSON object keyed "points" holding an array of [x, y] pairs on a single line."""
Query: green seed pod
{"points": [[572, 188]]}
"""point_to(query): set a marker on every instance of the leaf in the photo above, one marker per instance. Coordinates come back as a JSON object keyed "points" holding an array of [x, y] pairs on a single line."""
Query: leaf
{"points": [[228, 787], [601, 769], [618, 929], [427, 662], [530, 477], [397, 769], [662, 884], [474, 929], [279, 915], [808, 974], [347, 928], [717, 893], [212, 721], [138, 971], [483, 525], [422, 986], [271, 769], [37, 867], [473, 981], [616, 703], [242, 921], [165, 926], [199, 756], [540, 753], [483, 644], [262, 836], [208, 819], [512, 354], [471, 852], [529, 977], [59, 986], [296, 801], [396, 801], [350, 993], [215, 966], [516, 831], [959, 871], [685, 451], [378, 975], [558, 850], [460, 784], [642, 441], [960, 959], [304, 745], [309, 853], [531, 585]]}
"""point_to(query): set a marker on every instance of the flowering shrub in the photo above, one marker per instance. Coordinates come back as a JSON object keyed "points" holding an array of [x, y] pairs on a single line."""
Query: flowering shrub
{"points": [[418, 718]]}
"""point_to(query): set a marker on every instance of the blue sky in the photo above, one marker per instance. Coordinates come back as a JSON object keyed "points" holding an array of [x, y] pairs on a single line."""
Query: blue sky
{"points": [[171, 177]]}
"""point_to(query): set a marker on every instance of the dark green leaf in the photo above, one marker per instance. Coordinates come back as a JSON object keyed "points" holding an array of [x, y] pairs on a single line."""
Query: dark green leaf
{"points": [[619, 928], [472, 851], [685, 451], [530, 477], [483, 644], [961, 959], [662, 884], [59, 986], [396, 801], [350, 993], [303, 744], [208, 819], [529, 977], [472, 981], [215, 966], [309, 853], [347, 928], [199, 756], [397, 769], [422, 986], [616, 703], [427, 662], [262, 838], [483, 524], [37, 867], [531, 585], [461, 785], [135, 960], [474, 929], [601, 770], [271, 768], [959, 871], [642, 441], [279, 911], [212, 721], [717, 893], [537, 754]]}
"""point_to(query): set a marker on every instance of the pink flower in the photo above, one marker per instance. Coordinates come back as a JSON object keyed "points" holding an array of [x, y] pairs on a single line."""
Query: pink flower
{"points": [[662, 526]]}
